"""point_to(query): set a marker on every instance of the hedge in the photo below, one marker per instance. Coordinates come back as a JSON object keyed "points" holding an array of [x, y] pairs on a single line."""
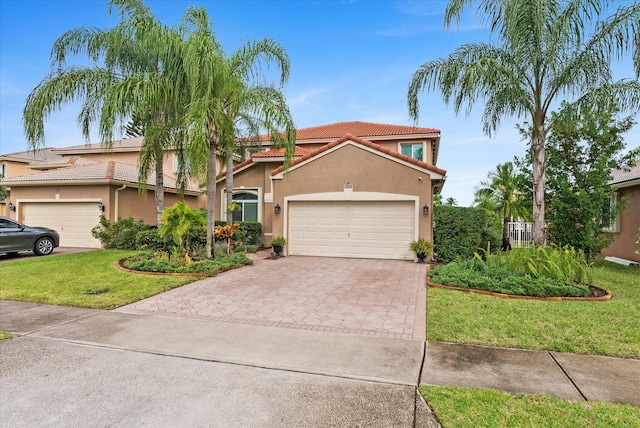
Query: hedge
{"points": [[459, 232]]}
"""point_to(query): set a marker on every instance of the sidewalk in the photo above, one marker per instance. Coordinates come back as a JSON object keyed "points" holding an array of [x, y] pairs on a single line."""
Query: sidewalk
{"points": [[390, 361]]}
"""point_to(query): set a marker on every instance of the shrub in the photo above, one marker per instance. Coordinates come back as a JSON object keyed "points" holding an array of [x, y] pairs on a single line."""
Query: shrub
{"points": [[459, 232], [561, 263], [150, 240], [150, 262], [249, 232], [497, 277], [179, 223], [121, 234], [251, 248]]}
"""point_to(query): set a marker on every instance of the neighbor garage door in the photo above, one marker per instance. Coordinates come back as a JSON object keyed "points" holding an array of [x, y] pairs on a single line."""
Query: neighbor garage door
{"points": [[381, 230], [72, 220]]}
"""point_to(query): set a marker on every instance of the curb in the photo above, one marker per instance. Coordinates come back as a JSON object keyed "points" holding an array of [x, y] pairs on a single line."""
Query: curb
{"points": [[607, 296]]}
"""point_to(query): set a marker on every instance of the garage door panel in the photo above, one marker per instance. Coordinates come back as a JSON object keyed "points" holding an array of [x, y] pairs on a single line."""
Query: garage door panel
{"points": [[372, 229], [72, 220]]}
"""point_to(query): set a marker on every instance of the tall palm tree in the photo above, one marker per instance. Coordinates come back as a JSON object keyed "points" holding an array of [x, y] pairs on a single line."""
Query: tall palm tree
{"points": [[135, 73], [501, 188], [544, 50], [220, 97]]}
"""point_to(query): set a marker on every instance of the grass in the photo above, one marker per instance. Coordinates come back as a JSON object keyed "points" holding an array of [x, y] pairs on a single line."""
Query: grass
{"points": [[603, 328], [470, 407], [88, 280], [4, 335]]}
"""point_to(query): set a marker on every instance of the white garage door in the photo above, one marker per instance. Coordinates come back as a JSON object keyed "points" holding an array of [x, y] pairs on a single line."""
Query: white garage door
{"points": [[372, 229], [72, 220]]}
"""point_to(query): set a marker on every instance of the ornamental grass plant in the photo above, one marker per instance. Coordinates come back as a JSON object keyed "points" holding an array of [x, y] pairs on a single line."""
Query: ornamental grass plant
{"points": [[537, 271]]}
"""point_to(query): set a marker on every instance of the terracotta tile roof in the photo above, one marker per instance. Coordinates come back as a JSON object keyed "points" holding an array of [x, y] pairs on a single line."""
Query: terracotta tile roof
{"points": [[366, 143], [37, 155], [104, 171], [124, 144], [622, 175], [357, 128], [279, 153], [62, 162]]}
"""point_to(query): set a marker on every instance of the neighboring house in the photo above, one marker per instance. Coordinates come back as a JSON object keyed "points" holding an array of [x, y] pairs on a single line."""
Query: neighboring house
{"points": [[627, 226], [354, 189], [68, 189]]}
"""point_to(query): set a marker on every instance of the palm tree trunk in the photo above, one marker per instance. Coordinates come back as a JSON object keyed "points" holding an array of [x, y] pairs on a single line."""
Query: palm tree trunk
{"points": [[538, 155], [505, 231], [159, 192], [211, 189], [229, 187]]}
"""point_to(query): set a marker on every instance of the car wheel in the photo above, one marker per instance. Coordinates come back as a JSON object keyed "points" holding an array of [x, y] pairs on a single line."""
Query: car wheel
{"points": [[43, 246]]}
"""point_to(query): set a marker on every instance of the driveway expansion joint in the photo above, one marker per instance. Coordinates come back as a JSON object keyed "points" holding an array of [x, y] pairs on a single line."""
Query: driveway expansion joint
{"points": [[568, 376]]}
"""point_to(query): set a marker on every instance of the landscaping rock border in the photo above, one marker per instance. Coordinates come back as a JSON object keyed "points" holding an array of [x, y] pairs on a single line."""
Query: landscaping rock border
{"points": [[606, 296]]}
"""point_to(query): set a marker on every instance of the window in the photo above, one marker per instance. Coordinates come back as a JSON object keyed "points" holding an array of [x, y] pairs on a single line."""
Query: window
{"points": [[3, 170], [249, 206], [413, 150], [610, 224]]}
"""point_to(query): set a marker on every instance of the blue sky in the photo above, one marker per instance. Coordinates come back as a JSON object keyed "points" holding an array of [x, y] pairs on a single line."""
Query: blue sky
{"points": [[350, 60]]}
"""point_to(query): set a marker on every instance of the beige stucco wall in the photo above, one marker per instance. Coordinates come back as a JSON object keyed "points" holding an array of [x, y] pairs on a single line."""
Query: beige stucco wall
{"points": [[13, 169], [131, 203], [365, 171], [624, 243], [128, 200]]}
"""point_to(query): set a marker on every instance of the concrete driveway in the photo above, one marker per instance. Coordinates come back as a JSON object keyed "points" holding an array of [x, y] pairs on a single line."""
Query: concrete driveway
{"points": [[384, 298]]}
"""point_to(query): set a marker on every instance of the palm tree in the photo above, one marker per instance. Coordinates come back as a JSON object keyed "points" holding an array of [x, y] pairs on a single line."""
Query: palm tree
{"points": [[501, 189], [135, 75], [544, 50], [220, 98]]}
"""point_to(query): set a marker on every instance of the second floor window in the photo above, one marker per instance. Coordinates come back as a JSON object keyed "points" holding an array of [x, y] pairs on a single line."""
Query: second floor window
{"points": [[413, 150]]}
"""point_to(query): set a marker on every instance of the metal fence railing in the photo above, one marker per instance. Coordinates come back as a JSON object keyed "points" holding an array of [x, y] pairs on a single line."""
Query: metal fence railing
{"points": [[520, 234]]}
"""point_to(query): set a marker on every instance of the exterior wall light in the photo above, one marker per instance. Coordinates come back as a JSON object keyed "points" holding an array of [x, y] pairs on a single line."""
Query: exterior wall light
{"points": [[11, 207], [277, 209], [101, 206], [425, 210]]}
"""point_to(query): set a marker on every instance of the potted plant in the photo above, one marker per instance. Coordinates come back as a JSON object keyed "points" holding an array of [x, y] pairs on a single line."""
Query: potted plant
{"points": [[277, 242], [422, 248]]}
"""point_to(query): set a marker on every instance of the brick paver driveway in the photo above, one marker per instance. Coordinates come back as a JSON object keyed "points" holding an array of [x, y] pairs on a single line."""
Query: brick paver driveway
{"points": [[372, 297]]}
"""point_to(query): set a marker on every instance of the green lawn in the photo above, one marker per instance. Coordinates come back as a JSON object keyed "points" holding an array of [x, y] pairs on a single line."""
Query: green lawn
{"points": [[603, 328], [470, 407], [89, 280]]}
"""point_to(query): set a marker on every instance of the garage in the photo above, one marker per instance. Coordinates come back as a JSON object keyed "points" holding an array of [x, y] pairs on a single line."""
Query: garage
{"points": [[359, 229], [72, 220]]}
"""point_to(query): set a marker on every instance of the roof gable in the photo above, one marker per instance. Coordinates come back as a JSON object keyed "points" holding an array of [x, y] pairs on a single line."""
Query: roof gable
{"points": [[376, 147]]}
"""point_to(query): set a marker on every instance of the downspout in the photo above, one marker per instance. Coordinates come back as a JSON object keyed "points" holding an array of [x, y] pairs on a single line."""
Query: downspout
{"points": [[116, 209]]}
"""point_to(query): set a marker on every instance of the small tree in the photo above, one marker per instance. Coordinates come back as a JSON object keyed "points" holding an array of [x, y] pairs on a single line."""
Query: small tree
{"points": [[582, 150], [178, 222]]}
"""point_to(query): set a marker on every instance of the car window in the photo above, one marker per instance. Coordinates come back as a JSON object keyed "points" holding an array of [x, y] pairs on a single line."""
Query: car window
{"points": [[8, 224]]}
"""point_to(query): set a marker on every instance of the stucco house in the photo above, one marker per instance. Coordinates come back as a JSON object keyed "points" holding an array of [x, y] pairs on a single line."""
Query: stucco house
{"points": [[67, 189], [354, 189], [627, 226]]}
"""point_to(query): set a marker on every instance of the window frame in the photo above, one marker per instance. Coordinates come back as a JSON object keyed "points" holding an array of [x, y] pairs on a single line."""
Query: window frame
{"points": [[412, 144]]}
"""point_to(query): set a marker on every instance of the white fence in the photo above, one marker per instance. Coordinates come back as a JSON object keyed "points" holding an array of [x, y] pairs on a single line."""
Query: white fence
{"points": [[520, 234]]}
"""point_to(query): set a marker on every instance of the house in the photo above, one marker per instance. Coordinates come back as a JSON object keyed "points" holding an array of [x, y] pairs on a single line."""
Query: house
{"points": [[626, 227], [353, 189], [67, 189]]}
